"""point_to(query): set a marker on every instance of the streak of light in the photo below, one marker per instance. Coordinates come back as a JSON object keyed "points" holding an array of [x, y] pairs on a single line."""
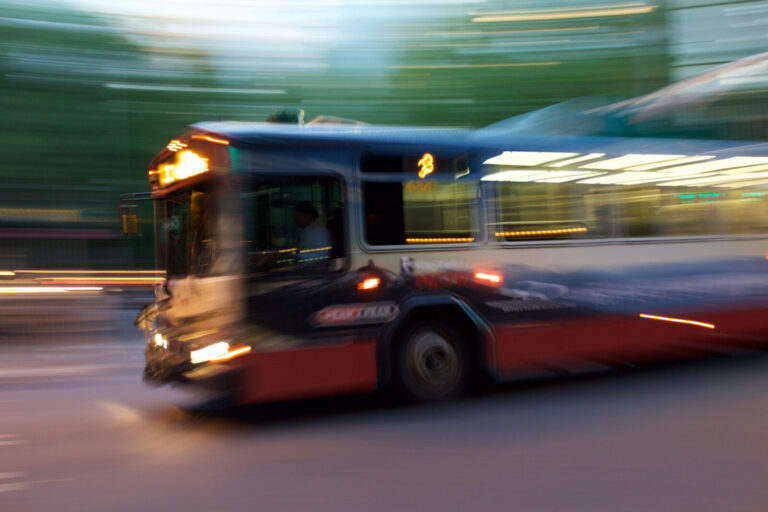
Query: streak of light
{"points": [[558, 9], [460, 66], [527, 158], [523, 31], [743, 162], [232, 354], [21, 486], [719, 179], [211, 139], [12, 474], [103, 279], [7, 273], [540, 176], [487, 276], [48, 289], [26, 271], [559, 231], [171, 88], [630, 160], [628, 178], [677, 320], [213, 351], [565, 15], [316, 249], [659, 165], [484, 44], [437, 240], [96, 282], [583, 158], [14, 442], [120, 412]]}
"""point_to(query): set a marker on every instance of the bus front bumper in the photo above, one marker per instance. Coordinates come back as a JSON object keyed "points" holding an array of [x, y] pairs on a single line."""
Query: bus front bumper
{"points": [[163, 367]]}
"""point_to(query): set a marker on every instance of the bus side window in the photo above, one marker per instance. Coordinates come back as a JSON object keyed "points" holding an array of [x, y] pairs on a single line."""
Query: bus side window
{"points": [[419, 212], [384, 222], [294, 224]]}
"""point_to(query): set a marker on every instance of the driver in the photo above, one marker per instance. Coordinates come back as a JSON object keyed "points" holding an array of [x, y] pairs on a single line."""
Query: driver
{"points": [[314, 239]]}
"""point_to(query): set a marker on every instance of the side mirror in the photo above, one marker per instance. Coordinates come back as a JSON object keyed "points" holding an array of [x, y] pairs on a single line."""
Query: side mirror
{"points": [[129, 219]]}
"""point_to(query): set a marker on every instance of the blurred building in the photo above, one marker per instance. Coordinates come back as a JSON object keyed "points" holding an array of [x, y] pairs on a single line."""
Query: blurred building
{"points": [[92, 89]]}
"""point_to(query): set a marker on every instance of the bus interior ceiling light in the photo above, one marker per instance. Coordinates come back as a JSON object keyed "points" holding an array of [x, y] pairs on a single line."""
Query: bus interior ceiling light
{"points": [[527, 158], [522, 176], [630, 160], [369, 284], [629, 169]]}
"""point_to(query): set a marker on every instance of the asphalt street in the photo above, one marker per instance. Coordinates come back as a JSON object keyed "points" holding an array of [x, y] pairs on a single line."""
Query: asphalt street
{"points": [[79, 431]]}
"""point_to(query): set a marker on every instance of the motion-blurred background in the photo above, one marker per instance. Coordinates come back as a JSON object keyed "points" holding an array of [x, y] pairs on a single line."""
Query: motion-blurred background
{"points": [[91, 89]]}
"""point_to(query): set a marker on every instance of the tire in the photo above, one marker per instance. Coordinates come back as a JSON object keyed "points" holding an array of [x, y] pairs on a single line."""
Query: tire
{"points": [[431, 362]]}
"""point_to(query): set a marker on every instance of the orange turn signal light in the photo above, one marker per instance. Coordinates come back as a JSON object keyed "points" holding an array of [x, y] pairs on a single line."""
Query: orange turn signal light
{"points": [[369, 284], [232, 353], [488, 277]]}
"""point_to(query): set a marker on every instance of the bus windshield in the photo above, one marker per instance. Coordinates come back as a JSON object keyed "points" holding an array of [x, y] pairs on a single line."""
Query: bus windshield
{"points": [[186, 233], [293, 224]]}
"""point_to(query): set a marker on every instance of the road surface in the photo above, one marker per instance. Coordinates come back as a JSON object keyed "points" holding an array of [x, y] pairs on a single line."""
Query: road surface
{"points": [[80, 432]]}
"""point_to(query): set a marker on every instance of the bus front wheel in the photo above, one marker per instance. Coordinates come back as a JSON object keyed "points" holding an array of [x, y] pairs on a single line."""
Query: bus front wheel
{"points": [[432, 362]]}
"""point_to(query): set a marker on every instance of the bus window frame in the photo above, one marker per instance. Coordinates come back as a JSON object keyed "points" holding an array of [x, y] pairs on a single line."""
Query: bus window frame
{"points": [[492, 193], [479, 221], [250, 176], [215, 182]]}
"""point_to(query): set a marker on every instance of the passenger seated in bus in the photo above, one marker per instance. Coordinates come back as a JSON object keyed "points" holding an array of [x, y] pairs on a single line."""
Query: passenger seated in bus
{"points": [[314, 239]]}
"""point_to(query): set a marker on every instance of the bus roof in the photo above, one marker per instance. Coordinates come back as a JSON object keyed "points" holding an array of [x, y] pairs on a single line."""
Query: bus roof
{"points": [[492, 138], [247, 133]]}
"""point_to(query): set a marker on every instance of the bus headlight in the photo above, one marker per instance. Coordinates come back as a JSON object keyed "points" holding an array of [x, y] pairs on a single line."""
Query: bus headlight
{"points": [[210, 352], [160, 341]]}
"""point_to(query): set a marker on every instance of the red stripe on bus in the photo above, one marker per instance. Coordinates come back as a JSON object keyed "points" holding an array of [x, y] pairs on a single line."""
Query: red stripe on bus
{"points": [[625, 338], [308, 372]]}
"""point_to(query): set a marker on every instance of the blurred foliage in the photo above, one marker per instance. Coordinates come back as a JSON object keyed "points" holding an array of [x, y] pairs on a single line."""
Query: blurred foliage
{"points": [[88, 98], [469, 73]]}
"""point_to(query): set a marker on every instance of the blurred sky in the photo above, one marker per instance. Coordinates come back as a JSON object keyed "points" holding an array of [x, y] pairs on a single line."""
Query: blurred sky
{"points": [[245, 35]]}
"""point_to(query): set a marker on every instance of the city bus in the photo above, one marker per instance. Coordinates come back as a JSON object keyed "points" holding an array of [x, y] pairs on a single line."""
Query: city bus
{"points": [[309, 260]]}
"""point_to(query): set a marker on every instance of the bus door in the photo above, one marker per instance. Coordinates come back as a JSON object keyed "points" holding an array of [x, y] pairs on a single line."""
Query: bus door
{"points": [[306, 310], [201, 261]]}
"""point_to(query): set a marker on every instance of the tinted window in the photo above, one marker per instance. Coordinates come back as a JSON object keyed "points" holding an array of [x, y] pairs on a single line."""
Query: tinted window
{"points": [[546, 211], [420, 212], [293, 223]]}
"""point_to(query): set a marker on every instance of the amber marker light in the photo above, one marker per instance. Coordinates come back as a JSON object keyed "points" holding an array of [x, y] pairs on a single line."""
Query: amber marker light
{"points": [[369, 284], [235, 352], [677, 320], [488, 277], [176, 145]]}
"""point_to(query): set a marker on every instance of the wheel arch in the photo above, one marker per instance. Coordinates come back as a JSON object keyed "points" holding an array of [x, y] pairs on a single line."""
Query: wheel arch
{"points": [[450, 306]]}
